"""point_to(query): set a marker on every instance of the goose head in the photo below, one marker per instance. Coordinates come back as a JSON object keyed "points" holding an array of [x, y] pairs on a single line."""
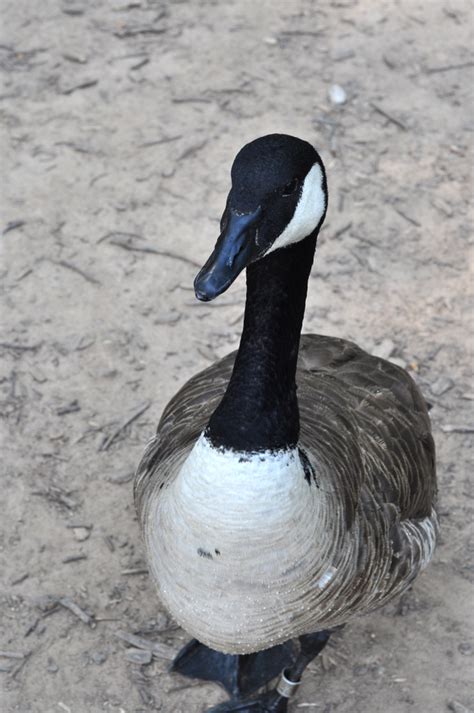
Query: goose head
{"points": [[278, 197]]}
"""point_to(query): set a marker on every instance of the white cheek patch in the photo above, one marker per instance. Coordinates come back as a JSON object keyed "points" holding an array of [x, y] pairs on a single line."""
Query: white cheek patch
{"points": [[308, 212]]}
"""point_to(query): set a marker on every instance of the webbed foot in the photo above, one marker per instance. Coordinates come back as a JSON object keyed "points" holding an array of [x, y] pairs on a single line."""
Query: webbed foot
{"points": [[270, 702], [240, 675]]}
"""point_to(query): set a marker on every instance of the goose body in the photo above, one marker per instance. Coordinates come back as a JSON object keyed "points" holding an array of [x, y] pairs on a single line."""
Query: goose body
{"points": [[291, 485], [249, 551]]}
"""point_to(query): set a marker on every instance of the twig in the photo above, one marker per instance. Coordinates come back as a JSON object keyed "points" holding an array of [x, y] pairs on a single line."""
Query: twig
{"points": [[119, 234], [21, 347], [452, 428], [107, 442], [192, 100], [192, 150], [12, 655], [133, 32], [342, 230], [84, 85], [32, 627], [407, 217], [164, 140], [387, 116], [157, 649], [74, 558], [141, 64], [20, 579], [56, 495], [309, 33], [448, 67], [77, 611], [17, 670], [126, 245], [72, 407], [74, 268], [134, 571], [13, 225]]}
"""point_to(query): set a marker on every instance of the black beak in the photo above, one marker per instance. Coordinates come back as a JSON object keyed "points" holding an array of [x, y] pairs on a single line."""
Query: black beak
{"points": [[234, 250]]}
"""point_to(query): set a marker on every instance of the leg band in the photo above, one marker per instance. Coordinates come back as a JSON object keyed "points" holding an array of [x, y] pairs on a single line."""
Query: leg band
{"points": [[285, 687]]}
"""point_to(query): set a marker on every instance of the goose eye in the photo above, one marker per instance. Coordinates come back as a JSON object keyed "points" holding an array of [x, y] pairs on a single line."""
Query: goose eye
{"points": [[290, 187]]}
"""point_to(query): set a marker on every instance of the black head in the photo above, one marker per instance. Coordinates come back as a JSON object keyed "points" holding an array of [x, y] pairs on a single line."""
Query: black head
{"points": [[278, 197]]}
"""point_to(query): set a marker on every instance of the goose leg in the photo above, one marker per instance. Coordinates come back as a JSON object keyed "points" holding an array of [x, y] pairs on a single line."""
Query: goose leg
{"points": [[240, 675], [276, 700]]}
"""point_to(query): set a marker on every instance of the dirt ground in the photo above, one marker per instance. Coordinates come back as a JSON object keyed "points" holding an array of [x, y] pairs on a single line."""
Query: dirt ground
{"points": [[119, 124]]}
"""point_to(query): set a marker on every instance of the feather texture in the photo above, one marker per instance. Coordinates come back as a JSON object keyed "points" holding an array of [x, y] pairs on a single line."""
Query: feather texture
{"points": [[359, 532]]}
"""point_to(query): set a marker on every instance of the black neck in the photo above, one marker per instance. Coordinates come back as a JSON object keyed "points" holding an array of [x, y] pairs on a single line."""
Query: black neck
{"points": [[259, 410]]}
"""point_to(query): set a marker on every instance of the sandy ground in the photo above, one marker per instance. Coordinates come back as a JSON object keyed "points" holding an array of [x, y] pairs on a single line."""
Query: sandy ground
{"points": [[119, 124]]}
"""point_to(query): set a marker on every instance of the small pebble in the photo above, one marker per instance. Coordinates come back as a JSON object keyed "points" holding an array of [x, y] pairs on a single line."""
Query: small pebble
{"points": [[465, 648], [385, 349], [98, 657], [81, 533], [457, 707], [270, 40], [121, 478], [139, 656], [441, 385], [52, 666], [337, 94]]}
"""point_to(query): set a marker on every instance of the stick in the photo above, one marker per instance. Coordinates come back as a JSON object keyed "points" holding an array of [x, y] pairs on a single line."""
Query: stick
{"points": [[407, 217], [164, 140], [74, 558], [77, 611], [153, 251], [308, 33], [342, 230], [159, 650], [107, 442], [82, 273], [392, 119], [452, 428], [84, 85], [13, 225], [192, 150], [448, 67], [21, 347]]}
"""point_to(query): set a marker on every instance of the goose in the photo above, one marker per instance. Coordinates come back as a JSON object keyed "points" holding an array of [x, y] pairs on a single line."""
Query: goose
{"points": [[291, 485]]}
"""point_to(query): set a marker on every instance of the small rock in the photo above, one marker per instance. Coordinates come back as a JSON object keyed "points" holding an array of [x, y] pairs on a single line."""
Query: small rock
{"points": [[139, 656], [121, 478], [441, 385], [270, 40], [465, 648], [98, 657], [337, 94], [343, 55], [45, 602], [171, 317], [360, 670], [81, 533], [52, 666], [457, 707], [385, 349]]}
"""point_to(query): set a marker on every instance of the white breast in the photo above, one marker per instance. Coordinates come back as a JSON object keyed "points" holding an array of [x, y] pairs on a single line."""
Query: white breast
{"points": [[228, 541]]}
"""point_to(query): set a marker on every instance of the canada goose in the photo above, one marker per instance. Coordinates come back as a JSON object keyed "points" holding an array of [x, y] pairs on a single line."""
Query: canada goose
{"points": [[270, 513]]}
